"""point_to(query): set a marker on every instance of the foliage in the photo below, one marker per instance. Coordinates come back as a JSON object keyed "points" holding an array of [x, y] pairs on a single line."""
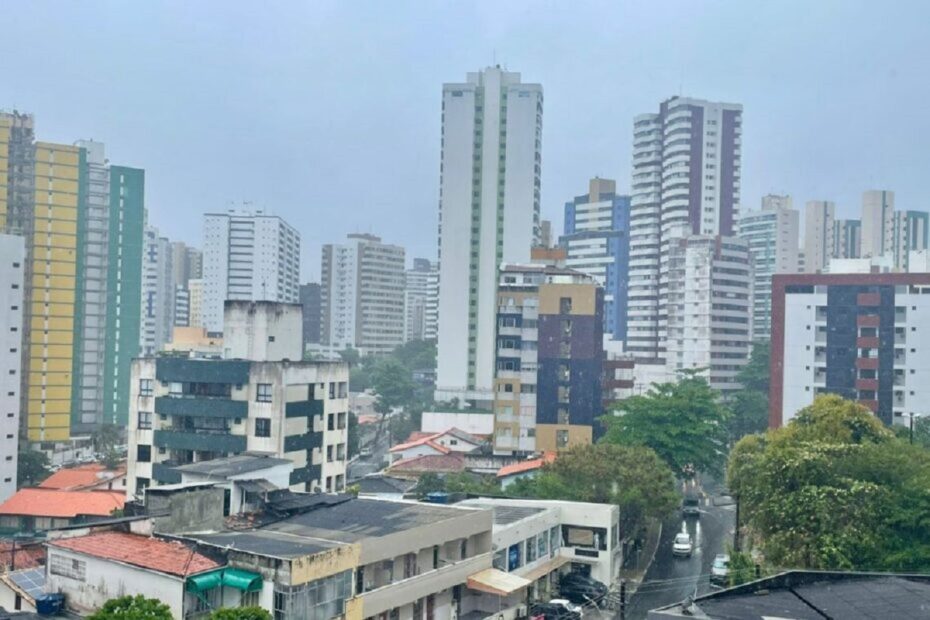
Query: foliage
{"points": [[683, 422], [921, 432], [133, 608], [352, 441], [350, 356], [240, 613], [741, 569], [755, 374], [835, 489], [463, 482], [416, 354], [112, 458], [632, 477], [429, 483], [106, 437], [749, 406], [31, 468], [393, 385]]}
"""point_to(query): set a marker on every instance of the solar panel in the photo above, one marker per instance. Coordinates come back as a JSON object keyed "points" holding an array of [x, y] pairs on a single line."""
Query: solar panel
{"points": [[31, 581]]}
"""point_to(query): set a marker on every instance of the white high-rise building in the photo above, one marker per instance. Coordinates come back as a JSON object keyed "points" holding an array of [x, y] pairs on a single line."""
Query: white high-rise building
{"points": [[248, 256], [772, 235], [847, 238], [686, 179], [877, 234], [709, 307], [12, 282], [157, 293], [416, 316], [910, 234], [431, 311], [195, 302], [488, 214], [362, 295], [818, 234]]}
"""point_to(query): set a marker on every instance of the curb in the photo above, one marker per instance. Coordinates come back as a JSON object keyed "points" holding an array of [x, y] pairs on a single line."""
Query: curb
{"points": [[631, 585]]}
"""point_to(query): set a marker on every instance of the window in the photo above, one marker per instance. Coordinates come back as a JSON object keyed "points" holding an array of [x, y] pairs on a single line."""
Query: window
{"points": [[331, 422], [341, 452], [531, 549], [67, 567], [144, 454], [565, 305], [561, 439], [329, 455], [263, 427], [175, 388], [145, 420], [341, 423], [146, 387], [332, 390], [343, 389], [263, 394]]}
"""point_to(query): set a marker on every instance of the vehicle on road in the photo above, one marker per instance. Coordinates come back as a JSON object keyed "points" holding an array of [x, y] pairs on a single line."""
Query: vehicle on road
{"points": [[691, 506], [548, 611], [682, 547], [582, 589], [563, 608], [720, 570]]}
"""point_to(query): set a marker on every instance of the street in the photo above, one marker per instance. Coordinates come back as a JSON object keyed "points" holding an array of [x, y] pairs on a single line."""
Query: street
{"points": [[670, 579]]}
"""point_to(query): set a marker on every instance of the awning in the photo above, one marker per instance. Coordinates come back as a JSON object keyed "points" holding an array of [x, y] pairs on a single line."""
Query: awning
{"points": [[242, 579], [204, 581], [494, 581], [547, 567], [259, 485]]}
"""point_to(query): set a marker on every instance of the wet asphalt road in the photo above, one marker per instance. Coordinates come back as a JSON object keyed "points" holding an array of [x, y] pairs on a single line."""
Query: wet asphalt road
{"points": [[670, 579]]}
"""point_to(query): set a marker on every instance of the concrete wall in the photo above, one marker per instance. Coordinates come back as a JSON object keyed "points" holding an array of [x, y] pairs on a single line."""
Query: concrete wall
{"points": [[12, 268], [474, 423], [199, 510], [262, 331]]}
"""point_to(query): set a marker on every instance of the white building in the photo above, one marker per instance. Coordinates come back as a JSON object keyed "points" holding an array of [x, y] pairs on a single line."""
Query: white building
{"points": [[686, 179], [419, 288], [248, 256], [877, 222], [195, 302], [488, 214], [12, 281], [157, 293], [431, 312], [772, 235], [710, 308], [818, 234], [847, 240], [182, 307], [362, 295], [910, 234]]}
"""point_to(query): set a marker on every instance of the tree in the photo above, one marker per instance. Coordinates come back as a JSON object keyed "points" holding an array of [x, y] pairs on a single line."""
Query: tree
{"points": [[133, 608], [240, 613], [834, 489], [31, 468], [749, 413], [106, 437], [683, 422], [350, 356], [755, 374], [352, 435]]}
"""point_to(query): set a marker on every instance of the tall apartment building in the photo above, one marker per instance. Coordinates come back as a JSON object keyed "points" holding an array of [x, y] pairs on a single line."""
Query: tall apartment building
{"points": [[772, 236], [12, 310], [909, 234], [182, 307], [859, 335], [362, 295], [488, 214], [877, 222], [710, 308], [847, 239], [255, 399], [417, 319], [311, 300], [550, 355], [686, 178], [195, 302], [431, 311], [597, 242], [158, 304], [186, 263], [248, 256], [819, 216]]}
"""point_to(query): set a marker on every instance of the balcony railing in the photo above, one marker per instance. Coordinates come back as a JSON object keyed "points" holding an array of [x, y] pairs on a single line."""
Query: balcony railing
{"points": [[213, 441], [201, 407]]}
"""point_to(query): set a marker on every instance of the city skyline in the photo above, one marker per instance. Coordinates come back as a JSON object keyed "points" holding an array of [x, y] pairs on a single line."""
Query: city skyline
{"points": [[321, 134]]}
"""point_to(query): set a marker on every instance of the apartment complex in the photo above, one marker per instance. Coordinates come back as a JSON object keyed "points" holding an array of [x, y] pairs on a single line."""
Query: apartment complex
{"points": [[362, 295], [12, 285], [419, 321], [248, 256], [772, 236], [847, 238], [597, 242], [858, 335], [488, 214], [311, 301], [547, 387], [158, 303], [909, 235], [819, 247], [256, 399], [877, 232], [686, 179]]}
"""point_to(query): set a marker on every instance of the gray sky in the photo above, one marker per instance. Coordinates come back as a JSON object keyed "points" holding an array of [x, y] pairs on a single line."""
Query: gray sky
{"points": [[328, 113]]}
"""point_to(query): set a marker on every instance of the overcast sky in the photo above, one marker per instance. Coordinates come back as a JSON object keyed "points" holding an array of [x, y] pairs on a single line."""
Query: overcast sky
{"points": [[328, 113]]}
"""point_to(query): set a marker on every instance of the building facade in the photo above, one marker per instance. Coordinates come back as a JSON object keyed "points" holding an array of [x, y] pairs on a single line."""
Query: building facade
{"points": [[548, 393], [877, 222], [819, 217], [362, 295], [847, 239], [909, 235], [248, 256], [489, 200], [12, 283], [597, 242], [419, 288], [686, 179], [195, 302], [158, 303], [710, 293], [772, 236], [858, 335], [310, 299]]}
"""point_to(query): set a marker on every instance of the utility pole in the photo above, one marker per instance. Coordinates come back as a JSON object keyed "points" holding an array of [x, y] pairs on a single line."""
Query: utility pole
{"points": [[623, 599], [736, 529]]}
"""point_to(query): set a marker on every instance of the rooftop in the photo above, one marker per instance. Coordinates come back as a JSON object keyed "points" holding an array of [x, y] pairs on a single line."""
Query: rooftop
{"points": [[62, 504], [505, 515], [29, 583], [155, 554], [418, 438], [380, 483], [266, 543], [81, 477], [27, 555], [232, 465], [525, 466], [434, 463]]}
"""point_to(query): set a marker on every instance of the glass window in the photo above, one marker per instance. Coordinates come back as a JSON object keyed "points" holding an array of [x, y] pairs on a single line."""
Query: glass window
{"points": [[542, 545], [144, 454], [531, 549], [146, 387], [263, 427], [175, 388], [515, 556], [145, 420], [500, 560], [263, 394], [555, 539]]}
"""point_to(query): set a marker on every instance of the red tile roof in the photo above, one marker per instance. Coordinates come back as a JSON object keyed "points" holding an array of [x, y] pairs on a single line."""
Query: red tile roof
{"points": [[435, 463], [62, 504], [430, 439], [525, 466], [27, 555], [164, 556], [81, 477]]}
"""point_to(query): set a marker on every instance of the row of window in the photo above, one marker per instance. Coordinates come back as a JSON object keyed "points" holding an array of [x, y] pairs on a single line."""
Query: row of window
{"points": [[263, 391]]}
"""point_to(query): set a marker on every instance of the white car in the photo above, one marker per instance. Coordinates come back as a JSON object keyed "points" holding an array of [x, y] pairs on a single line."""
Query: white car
{"points": [[568, 606], [682, 547], [720, 570]]}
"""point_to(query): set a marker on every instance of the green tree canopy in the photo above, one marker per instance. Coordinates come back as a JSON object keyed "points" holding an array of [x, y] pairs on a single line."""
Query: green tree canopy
{"points": [[755, 374], [31, 468], [683, 422], [133, 608], [240, 613], [106, 437], [835, 489]]}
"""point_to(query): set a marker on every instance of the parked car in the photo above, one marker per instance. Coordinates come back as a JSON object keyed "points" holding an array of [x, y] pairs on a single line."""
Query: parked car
{"points": [[720, 570], [682, 547], [551, 611], [691, 506], [567, 607], [582, 589]]}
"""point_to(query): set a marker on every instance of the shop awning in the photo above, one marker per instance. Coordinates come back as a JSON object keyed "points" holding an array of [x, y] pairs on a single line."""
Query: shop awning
{"points": [[547, 567], [242, 579], [494, 581], [204, 581]]}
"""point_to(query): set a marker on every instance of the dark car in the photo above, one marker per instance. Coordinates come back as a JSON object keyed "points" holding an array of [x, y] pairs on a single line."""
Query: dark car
{"points": [[581, 589], [691, 506], [553, 612]]}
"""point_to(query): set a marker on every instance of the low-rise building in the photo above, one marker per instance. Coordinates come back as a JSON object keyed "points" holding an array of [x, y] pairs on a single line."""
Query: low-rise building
{"points": [[195, 342], [444, 442], [244, 477], [35, 510], [19, 589], [88, 477], [528, 468]]}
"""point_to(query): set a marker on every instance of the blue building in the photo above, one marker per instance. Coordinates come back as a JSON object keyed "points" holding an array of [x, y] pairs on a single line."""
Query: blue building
{"points": [[597, 242]]}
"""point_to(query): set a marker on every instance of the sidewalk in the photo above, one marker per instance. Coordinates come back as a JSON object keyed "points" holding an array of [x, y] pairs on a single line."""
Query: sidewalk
{"points": [[634, 574]]}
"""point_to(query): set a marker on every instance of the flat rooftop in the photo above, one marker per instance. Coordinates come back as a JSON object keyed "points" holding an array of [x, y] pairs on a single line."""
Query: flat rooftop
{"points": [[232, 465], [505, 515], [267, 543]]}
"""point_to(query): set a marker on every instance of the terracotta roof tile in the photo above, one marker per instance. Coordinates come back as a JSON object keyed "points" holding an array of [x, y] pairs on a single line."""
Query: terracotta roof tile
{"points": [[155, 554], [436, 463], [83, 476], [525, 466], [28, 555], [419, 439], [62, 504]]}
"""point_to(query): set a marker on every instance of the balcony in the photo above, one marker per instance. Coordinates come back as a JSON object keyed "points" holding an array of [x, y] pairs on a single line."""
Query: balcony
{"points": [[307, 441], [183, 370], [867, 342], [872, 405], [867, 320], [303, 408], [165, 473], [211, 441], [867, 384], [201, 407], [409, 590], [868, 299], [867, 363]]}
